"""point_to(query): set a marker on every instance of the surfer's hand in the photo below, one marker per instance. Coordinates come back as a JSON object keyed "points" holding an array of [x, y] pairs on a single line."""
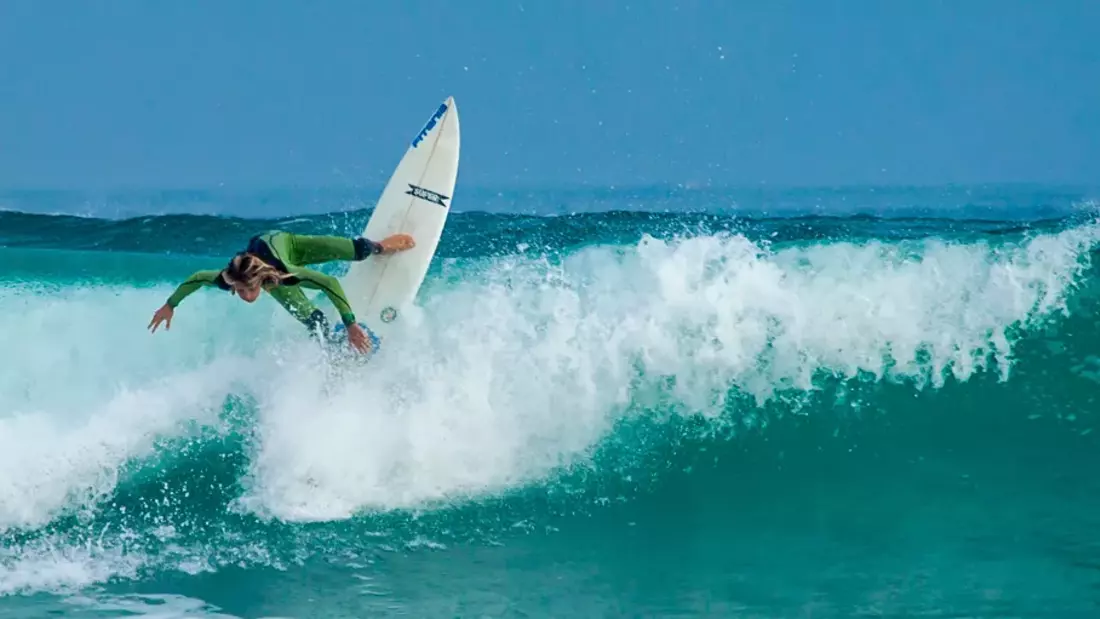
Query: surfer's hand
{"points": [[396, 242], [357, 339], [164, 314]]}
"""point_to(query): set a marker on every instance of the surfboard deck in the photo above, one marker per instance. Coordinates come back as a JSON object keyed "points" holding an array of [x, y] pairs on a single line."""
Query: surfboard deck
{"points": [[415, 201]]}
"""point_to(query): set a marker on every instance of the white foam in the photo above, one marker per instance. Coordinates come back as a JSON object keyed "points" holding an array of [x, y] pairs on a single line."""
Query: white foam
{"points": [[520, 367], [525, 365], [150, 606], [85, 389]]}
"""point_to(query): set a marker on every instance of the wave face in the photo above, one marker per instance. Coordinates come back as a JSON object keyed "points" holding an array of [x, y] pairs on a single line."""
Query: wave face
{"points": [[855, 412]]}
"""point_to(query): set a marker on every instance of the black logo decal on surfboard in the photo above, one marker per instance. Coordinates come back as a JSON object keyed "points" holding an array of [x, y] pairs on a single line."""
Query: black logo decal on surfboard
{"points": [[388, 314], [428, 195]]}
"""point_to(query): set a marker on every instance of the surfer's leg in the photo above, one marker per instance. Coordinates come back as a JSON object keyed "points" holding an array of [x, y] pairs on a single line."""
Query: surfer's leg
{"points": [[295, 301], [306, 249]]}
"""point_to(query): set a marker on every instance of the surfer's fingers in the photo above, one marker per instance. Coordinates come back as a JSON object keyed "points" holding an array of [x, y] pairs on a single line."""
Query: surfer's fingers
{"points": [[359, 343]]}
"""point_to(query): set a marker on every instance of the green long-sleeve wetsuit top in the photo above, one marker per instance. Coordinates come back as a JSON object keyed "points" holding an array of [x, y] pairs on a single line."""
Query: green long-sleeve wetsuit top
{"points": [[288, 253]]}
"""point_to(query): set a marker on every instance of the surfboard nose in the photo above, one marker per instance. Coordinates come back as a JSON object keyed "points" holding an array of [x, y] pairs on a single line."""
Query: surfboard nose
{"points": [[416, 200]]}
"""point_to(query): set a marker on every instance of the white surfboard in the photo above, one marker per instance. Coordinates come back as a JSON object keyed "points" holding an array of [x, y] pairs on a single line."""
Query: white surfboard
{"points": [[416, 201]]}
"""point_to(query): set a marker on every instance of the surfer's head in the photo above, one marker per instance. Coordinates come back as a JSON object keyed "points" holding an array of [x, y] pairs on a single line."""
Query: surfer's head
{"points": [[247, 274]]}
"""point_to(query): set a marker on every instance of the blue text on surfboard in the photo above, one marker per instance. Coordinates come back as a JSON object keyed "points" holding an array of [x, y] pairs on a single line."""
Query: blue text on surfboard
{"points": [[428, 126]]}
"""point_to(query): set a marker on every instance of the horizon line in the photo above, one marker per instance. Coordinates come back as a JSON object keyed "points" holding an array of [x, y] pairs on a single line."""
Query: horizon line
{"points": [[510, 188]]}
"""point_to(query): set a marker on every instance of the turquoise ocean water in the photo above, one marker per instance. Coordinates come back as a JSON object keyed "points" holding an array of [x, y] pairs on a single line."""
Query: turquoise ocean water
{"points": [[877, 402]]}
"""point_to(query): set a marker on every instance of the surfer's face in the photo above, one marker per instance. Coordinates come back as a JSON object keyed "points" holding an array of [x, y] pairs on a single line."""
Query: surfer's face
{"points": [[247, 293], [248, 275]]}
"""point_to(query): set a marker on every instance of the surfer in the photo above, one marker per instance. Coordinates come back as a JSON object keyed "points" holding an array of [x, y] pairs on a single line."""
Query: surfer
{"points": [[274, 261]]}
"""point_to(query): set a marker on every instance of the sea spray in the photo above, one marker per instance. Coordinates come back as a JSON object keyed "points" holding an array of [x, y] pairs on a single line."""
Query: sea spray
{"points": [[226, 441]]}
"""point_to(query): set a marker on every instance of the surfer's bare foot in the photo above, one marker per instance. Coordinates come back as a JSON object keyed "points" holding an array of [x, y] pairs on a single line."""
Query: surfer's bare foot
{"points": [[396, 242]]}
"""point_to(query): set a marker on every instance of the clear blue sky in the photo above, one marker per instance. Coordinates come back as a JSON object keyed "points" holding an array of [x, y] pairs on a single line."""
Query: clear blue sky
{"points": [[114, 94]]}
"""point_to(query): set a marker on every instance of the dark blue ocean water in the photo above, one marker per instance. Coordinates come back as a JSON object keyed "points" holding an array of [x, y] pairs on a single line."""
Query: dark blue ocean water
{"points": [[660, 402]]}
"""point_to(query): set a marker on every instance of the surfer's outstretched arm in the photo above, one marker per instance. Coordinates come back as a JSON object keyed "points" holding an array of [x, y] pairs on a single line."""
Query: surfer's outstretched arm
{"points": [[197, 280]]}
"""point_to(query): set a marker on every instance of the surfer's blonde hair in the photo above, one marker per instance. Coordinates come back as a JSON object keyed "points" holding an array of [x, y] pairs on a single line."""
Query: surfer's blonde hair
{"points": [[250, 270]]}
